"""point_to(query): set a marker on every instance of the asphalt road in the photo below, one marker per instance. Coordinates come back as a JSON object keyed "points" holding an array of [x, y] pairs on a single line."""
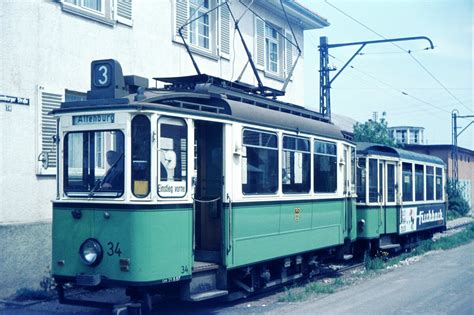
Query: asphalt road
{"points": [[439, 283]]}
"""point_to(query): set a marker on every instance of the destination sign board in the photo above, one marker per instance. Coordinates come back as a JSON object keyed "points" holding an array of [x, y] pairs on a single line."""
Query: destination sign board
{"points": [[93, 119]]}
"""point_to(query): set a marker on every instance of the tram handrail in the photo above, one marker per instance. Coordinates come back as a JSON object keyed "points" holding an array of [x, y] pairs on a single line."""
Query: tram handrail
{"points": [[229, 246]]}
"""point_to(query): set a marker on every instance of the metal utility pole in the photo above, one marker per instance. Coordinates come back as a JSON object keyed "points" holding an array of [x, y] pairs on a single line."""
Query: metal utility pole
{"points": [[455, 134], [324, 79]]}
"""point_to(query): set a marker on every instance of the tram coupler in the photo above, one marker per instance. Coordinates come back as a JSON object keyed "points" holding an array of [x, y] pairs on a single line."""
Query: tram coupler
{"points": [[70, 301]]}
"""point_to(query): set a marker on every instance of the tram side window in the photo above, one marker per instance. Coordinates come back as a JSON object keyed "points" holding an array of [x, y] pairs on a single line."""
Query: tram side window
{"points": [[373, 181], [407, 175], [141, 142], [172, 157], [94, 164], [429, 183], [259, 162], [419, 182], [361, 180], [390, 182], [325, 166], [296, 168], [439, 183], [353, 172]]}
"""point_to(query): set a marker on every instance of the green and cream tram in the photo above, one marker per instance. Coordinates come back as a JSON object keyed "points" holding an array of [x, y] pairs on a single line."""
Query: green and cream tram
{"points": [[400, 195], [202, 188]]}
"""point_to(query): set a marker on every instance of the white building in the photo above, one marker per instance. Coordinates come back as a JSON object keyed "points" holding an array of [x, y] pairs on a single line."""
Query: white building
{"points": [[407, 134], [46, 47]]}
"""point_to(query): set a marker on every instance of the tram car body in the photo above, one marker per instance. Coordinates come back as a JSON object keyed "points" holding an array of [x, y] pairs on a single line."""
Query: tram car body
{"points": [[400, 196], [202, 188]]}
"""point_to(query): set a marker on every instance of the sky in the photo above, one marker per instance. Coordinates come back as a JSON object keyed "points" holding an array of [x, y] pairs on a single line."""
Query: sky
{"points": [[417, 89]]}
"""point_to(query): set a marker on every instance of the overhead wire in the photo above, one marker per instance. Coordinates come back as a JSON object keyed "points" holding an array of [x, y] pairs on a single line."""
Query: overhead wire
{"points": [[387, 84], [403, 49]]}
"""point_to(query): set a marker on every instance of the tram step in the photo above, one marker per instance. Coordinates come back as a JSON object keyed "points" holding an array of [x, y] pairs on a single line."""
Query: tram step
{"points": [[389, 246], [207, 295]]}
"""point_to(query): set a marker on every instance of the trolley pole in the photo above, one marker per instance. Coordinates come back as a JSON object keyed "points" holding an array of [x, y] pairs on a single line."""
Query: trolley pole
{"points": [[324, 79], [455, 134]]}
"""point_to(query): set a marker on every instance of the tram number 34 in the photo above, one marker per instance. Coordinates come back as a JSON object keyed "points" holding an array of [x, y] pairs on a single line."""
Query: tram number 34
{"points": [[114, 249]]}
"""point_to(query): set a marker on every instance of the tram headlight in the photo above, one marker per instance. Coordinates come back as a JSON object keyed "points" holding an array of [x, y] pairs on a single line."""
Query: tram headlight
{"points": [[91, 252]]}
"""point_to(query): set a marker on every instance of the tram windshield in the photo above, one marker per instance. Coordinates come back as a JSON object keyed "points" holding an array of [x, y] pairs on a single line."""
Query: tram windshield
{"points": [[94, 164]]}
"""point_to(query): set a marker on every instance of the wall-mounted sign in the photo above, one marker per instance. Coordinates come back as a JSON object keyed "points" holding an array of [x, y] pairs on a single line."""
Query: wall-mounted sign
{"points": [[93, 119], [14, 100]]}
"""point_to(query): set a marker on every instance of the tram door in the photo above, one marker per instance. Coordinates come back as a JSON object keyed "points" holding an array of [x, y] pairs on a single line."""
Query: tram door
{"points": [[208, 191], [387, 192]]}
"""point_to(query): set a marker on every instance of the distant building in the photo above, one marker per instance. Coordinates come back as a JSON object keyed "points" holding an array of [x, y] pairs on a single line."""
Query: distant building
{"points": [[465, 163], [407, 134]]}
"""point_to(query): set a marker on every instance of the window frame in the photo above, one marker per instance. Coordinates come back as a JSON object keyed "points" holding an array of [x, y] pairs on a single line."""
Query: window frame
{"points": [[361, 170], [335, 155], [132, 173], [158, 162], [270, 40], [412, 190], [86, 192], [201, 11], [433, 182], [80, 4], [285, 135], [110, 14], [277, 149], [417, 175], [442, 184]]}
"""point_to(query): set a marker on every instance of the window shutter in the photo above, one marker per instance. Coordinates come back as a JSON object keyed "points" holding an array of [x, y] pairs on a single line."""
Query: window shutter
{"points": [[260, 41], [47, 101], [289, 53], [181, 16], [124, 11], [225, 30]]}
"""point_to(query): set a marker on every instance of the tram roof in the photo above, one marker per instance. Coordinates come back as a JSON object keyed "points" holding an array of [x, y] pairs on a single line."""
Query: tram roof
{"points": [[385, 150], [209, 101]]}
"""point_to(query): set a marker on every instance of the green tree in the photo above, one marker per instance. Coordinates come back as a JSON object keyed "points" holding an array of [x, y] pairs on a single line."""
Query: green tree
{"points": [[373, 131], [456, 200]]}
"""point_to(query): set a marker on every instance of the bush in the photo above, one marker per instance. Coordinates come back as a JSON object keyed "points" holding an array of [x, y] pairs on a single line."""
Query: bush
{"points": [[456, 200]]}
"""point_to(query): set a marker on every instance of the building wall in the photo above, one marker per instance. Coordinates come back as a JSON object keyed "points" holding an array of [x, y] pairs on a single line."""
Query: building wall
{"points": [[41, 45]]}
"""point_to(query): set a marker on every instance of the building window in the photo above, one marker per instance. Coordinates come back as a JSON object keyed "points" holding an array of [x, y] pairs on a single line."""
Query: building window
{"points": [[325, 167], [407, 178], [259, 162], [95, 5], [199, 30], [272, 49], [203, 21], [105, 11], [296, 168]]}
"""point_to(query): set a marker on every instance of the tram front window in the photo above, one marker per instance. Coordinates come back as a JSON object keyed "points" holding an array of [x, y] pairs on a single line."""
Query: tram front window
{"points": [[94, 164]]}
